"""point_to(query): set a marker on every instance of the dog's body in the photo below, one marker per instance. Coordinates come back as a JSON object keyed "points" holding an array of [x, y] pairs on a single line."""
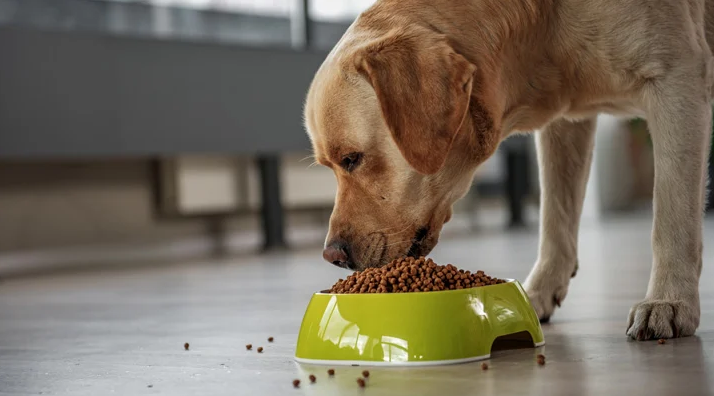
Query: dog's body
{"points": [[418, 93]]}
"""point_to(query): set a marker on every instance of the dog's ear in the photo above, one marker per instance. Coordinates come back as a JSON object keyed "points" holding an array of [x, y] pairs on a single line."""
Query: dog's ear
{"points": [[424, 89]]}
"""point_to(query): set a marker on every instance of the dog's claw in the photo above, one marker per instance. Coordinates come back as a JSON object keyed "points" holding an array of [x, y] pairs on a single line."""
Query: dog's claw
{"points": [[675, 330]]}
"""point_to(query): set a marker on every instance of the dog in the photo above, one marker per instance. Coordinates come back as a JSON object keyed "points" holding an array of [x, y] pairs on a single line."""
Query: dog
{"points": [[418, 93]]}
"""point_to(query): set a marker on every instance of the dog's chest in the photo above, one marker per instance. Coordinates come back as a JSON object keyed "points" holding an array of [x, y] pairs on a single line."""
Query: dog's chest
{"points": [[620, 108]]}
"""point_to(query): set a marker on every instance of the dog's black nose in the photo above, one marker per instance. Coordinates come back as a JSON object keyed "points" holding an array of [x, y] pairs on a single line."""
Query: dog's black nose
{"points": [[336, 252]]}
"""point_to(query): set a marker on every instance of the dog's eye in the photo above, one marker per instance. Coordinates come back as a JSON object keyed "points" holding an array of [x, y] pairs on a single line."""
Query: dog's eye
{"points": [[351, 161]]}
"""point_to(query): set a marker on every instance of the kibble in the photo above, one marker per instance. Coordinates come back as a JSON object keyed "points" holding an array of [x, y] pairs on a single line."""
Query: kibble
{"points": [[361, 383], [541, 360], [365, 374], [185, 346], [260, 349], [484, 366], [661, 341], [331, 372], [270, 339], [249, 347], [312, 379], [296, 383], [411, 274]]}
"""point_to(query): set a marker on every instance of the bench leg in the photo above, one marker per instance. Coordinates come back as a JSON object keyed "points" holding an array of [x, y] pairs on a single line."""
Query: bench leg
{"points": [[517, 184], [273, 217]]}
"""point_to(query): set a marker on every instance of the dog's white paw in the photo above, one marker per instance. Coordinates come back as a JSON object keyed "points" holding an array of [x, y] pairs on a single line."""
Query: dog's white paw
{"points": [[547, 290], [653, 319], [545, 301]]}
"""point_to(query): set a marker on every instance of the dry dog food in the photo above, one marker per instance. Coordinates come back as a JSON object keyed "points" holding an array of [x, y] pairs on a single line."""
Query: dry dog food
{"points": [[296, 383], [361, 383], [331, 372], [410, 274], [249, 347], [661, 341], [365, 374], [270, 339], [541, 360], [312, 379], [484, 366], [185, 346], [260, 349]]}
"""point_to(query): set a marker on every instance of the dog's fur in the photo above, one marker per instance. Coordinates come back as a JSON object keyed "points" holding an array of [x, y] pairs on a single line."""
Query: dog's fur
{"points": [[418, 93]]}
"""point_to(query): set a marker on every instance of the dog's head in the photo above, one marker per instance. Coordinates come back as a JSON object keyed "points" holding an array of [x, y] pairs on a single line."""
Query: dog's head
{"points": [[403, 121]]}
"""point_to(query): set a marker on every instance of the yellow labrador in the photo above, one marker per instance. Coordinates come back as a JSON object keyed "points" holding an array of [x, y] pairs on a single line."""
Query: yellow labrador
{"points": [[418, 93]]}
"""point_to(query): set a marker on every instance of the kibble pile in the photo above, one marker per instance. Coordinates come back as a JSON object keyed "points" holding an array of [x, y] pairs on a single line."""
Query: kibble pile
{"points": [[411, 274]]}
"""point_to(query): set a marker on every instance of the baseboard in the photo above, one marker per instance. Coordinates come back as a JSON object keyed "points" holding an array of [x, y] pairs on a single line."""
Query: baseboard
{"points": [[25, 263]]}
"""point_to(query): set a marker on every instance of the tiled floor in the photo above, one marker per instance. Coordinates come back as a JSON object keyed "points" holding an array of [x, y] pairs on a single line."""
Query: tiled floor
{"points": [[122, 332]]}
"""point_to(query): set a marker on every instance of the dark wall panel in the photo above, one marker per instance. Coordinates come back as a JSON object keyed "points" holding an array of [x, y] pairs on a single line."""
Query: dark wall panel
{"points": [[79, 94]]}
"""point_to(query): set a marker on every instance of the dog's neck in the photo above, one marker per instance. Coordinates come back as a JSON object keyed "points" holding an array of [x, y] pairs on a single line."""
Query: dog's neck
{"points": [[508, 32], [487, 25], [497, 36], [499, 25]]}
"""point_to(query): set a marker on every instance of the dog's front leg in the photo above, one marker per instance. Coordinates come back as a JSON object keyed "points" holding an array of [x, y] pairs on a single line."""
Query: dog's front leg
{"points": [[564, 157], [679, 117]]}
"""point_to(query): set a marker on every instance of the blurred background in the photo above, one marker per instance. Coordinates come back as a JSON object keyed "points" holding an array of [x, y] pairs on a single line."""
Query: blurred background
{"points": [[163, 130]]}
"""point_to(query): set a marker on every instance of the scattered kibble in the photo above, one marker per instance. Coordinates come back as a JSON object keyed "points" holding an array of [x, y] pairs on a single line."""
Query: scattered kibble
{"points": [[365, 374], [312, 379], [260, 349], [249, 347], [296, 383], [185, 346], [541, 360], [661, 341], [270, 339], [484, 366], [410, 274], [331, 372], [361, 383]]}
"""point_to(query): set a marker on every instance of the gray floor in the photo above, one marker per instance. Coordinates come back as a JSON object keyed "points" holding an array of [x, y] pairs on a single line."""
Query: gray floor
{"points": [[119, 332]]}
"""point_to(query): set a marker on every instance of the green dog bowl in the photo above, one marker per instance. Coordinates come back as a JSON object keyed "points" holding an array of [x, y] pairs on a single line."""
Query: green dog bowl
{"points": [[401, 329]]}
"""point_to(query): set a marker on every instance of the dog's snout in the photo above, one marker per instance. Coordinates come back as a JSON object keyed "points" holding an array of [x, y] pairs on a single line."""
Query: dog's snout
{"points": [[337, 253]]}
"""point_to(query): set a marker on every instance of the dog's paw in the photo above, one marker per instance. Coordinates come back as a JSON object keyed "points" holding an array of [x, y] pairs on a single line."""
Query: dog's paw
{"points": [[546, 293], [653, 319]]}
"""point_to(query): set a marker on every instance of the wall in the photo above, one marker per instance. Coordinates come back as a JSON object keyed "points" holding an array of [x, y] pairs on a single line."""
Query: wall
{"points": [[66, 203]]}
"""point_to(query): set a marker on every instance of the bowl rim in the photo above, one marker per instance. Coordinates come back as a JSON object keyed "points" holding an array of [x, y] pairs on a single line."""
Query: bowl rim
{"points": [[368, 363], [324, 292]]}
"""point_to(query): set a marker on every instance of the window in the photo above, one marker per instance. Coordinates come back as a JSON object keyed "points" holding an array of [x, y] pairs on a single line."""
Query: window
{"points": [[337, 10], [320, 10]]}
